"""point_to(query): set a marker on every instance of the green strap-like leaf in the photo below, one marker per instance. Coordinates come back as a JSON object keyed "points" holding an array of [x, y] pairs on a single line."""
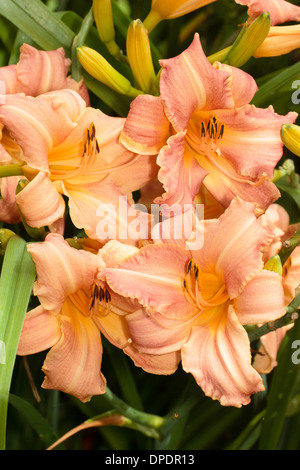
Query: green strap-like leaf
{"points": [[35, 419], [281, 391], [38, 22], [17, 277]]}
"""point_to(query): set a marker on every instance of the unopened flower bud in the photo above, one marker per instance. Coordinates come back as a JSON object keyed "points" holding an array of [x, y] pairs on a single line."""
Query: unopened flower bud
{"points": [[290, 135], [139, 55], [98, 67], [103, 16], [249, 39]]}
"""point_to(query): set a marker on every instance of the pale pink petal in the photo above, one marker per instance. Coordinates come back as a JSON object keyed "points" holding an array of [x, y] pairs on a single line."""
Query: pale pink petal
{"points": [[114, 252], [232, 246], [189, 82], [106, 213], [180, 173], [220, 362], [164, 364], [8, 79], [275, 221], [266, 359], [262, 299], [128, 170], [114, 327], [251, 140], [58, 226], [8, 210], [151, 333], [40, 203], [61, 270], [41, 330], [80, 87], [280, 10], [50, 70], [179, 226], [147, 127], [224, 184], [243, 86], [38, 124], [73, 364], [155, 278]]}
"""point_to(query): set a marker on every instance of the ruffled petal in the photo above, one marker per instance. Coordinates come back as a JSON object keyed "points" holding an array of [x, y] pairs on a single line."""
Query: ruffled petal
{"points": [[50, 70], [151, 333], [164, 364], [243, 86], [251, 140], [41, 330], [155, 278], [262, 299], [224, 184], [106, 213], [147, 127], [232, 246], [220, 362], [61, 270], [189, 82], [180, 173], [40, 203], [266, 359], [280, 10], [38, 124], [73, 364]]}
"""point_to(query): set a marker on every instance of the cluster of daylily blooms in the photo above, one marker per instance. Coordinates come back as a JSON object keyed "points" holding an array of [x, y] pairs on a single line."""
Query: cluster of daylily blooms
{"points": [[163, 299]]}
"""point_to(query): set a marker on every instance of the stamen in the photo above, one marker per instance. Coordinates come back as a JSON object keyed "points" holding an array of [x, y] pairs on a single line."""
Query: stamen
{"points": [[193, 284], [213, 129], [100, 300]]}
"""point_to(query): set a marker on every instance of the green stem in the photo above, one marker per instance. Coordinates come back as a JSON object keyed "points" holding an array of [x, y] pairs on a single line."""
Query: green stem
{"points": [[144, 419], [11, 170], [134, 92], [290, 316], [289, 246]]}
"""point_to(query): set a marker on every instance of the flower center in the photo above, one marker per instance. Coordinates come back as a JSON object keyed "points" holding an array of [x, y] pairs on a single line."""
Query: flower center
{"points": [[70, 166], [203, 135], [100, 300], [205, 290]]}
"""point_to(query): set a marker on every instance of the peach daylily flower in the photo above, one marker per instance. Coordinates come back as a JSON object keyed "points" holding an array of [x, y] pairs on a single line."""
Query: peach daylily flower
{"points": [[276, 222], [280, 11], [196, 302], [71, 150], [50, 73], [75, 307], [206, 132]]}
